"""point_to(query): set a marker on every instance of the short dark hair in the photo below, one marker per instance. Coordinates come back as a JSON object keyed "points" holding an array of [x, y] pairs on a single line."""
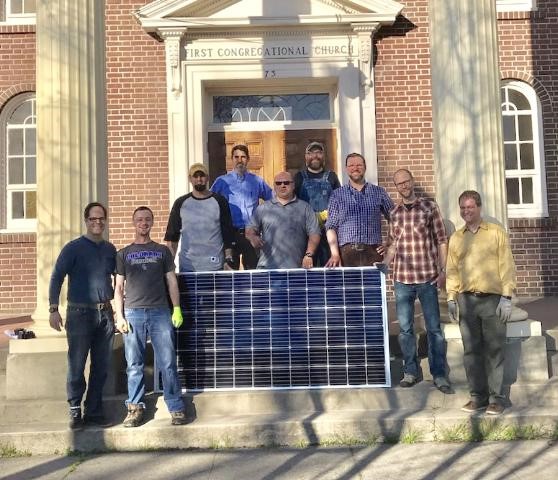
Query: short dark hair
{"points": [[90, 206], [141, 208], [472, 194], [242, 148], [352, 155]]}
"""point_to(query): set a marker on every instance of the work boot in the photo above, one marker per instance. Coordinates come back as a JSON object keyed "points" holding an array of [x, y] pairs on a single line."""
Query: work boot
{"points": [[75, 418], [178, 418], [135, 415]]}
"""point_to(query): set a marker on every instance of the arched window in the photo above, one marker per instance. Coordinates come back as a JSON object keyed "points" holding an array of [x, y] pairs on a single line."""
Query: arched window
{"points": [[524, 152], [18, 166]]}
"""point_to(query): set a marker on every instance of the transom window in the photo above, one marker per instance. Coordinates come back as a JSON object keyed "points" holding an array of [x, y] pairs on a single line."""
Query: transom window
{"points": [[524, 158], [271, 108], [20, 163], [515, 5]]}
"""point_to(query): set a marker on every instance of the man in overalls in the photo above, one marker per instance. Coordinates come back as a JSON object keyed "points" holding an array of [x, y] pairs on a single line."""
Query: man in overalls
{"points": [[314, 185]]}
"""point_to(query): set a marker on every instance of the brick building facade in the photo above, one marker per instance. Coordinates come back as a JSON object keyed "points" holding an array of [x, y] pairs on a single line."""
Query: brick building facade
{"points": [[138, 130]]}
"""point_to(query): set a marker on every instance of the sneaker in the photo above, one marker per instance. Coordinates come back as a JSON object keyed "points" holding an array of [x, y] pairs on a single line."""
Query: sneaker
{"points": [[495, 409], [75, 418], [442, 384], [178, 418], [97, 421], [473, 406], [408, 381], [134, 417]]}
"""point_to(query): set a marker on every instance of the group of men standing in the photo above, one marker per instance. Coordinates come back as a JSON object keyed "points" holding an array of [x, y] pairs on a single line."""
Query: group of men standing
{"points": [[306, 221]]}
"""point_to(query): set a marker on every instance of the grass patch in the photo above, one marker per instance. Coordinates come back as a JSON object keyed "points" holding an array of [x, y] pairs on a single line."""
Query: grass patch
{"points": [[411, 436], [7, 450], [494, 430], [340, 440], [224, 443]]}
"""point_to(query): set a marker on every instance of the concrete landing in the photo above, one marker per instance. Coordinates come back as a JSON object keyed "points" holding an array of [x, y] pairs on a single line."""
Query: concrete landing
{"points": [[286, 418]]}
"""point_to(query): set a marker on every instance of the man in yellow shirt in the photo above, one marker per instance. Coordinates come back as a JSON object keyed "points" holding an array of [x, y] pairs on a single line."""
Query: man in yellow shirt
{"points": [[481, 280]]}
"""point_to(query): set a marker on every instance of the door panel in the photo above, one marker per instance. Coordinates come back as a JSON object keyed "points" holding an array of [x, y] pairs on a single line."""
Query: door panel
{"points": [[271, 152]]}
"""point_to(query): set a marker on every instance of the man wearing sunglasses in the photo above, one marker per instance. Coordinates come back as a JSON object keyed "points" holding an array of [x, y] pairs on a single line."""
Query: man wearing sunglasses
{"points": [[243, 190], [284, 229], [201, 220], [89, 262]]}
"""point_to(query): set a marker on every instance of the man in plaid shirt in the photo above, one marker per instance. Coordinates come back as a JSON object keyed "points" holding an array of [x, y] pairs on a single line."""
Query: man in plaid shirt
{"points": [[418, 247]]}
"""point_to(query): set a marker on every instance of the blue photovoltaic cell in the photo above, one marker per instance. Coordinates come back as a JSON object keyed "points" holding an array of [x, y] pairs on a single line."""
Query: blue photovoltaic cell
{"points": [[283, 329]]}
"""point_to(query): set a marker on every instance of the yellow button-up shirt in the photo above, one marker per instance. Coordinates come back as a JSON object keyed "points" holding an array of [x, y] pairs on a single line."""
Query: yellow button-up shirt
{"points": [[480, 262]]}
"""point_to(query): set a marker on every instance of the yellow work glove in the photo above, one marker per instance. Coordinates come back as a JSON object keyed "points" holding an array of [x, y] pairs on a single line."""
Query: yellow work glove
{"points": [[177, 317]]}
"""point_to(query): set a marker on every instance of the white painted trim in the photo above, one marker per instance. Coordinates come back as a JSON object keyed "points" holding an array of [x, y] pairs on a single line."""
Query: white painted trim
{"points": [[540, 206], [515, 5]]}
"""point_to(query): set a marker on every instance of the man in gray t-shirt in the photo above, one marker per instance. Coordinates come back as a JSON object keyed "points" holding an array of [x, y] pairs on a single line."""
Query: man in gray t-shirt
{"points": [[201, 220], [284, 228]]}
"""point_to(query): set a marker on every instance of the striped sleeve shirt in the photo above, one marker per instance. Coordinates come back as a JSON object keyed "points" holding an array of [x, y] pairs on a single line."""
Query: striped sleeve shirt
{"points": [[356, 215], [416, 230]]}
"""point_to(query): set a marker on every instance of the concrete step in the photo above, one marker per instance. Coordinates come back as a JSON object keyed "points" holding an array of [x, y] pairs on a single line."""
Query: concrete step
{"points": [[422, 397], [297, 430]]}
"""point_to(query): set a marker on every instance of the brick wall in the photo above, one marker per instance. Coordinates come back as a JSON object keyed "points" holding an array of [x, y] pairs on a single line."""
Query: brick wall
{"points": [[137, 122], [528, 46], [17, 251], [137, 126]]}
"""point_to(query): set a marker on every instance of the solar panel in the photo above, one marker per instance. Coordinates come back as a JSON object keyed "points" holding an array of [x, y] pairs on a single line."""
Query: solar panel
{"points": [[277, 329]]}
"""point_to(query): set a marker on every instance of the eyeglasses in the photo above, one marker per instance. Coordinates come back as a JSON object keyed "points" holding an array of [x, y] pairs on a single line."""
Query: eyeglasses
{"points": [[97, 219], [284, 182], [406, 183]]}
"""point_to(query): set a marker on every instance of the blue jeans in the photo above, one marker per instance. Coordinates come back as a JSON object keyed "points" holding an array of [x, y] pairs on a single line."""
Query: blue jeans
{"points": [[88, 331], [405, 295], [155, 323]]}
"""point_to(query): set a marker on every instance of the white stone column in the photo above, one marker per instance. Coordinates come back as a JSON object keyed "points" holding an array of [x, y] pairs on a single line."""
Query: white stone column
{"points": [[468, 146], [72, 151]]}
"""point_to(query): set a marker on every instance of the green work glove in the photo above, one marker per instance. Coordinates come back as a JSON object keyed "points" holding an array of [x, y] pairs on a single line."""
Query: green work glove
{"points": [[177, 317]]}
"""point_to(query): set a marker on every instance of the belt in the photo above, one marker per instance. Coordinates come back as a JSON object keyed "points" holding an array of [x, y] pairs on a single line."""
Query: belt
{"points": [[91, 306], [360, 246], [478, 294]]}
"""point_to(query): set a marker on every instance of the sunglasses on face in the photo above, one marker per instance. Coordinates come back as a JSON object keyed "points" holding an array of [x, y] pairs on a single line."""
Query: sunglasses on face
{"points": [[284, 182]]}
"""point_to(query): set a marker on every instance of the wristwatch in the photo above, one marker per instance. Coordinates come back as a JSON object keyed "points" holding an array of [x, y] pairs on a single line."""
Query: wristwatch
{"points": [[443, 269], [53, 308], [309, 254], [229, 261]]}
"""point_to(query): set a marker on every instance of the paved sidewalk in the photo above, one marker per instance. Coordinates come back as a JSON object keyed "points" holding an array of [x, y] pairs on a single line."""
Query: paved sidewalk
{"points": [[475, 461]]}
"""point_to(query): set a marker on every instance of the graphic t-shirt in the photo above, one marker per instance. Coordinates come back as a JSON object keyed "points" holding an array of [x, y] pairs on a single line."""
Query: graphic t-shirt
{"points": [[145, 267]]}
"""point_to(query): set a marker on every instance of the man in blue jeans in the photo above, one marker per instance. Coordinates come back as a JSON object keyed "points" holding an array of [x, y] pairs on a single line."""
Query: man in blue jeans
{"points": [[89, 263], [418, 246], [144, 272]]}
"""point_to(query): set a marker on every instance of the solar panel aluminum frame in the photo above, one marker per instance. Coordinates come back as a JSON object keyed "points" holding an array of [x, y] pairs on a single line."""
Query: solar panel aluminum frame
{"points": [[256, 295]]}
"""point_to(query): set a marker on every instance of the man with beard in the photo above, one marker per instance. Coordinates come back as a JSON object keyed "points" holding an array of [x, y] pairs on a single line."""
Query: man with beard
{"points": [[418, 246], [314, 185], [243, 190], [201, 220], [284, 228], [353, 227]]}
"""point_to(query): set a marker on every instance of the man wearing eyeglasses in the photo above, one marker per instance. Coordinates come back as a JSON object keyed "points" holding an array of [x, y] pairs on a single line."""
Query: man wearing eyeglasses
{"points": [[201, 220], [284, 229], [353, 227], [418, 246], [89, 262], [314, 185], [243, 190]]}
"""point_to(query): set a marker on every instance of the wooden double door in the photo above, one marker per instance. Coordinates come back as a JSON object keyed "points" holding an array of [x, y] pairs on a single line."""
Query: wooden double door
{"points": [[271, 152]]}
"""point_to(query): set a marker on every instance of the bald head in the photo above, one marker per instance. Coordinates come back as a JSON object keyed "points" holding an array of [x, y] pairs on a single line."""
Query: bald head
{"points": [[284, 186]]}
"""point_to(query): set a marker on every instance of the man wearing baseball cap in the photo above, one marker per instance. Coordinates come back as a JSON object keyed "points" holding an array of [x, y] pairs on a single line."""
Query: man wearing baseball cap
{"points": [[201, 220], [314, 185]]}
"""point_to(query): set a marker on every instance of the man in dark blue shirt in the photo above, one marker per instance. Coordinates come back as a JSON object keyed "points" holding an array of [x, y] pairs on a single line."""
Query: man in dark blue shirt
{"points": [[89, 262]]}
